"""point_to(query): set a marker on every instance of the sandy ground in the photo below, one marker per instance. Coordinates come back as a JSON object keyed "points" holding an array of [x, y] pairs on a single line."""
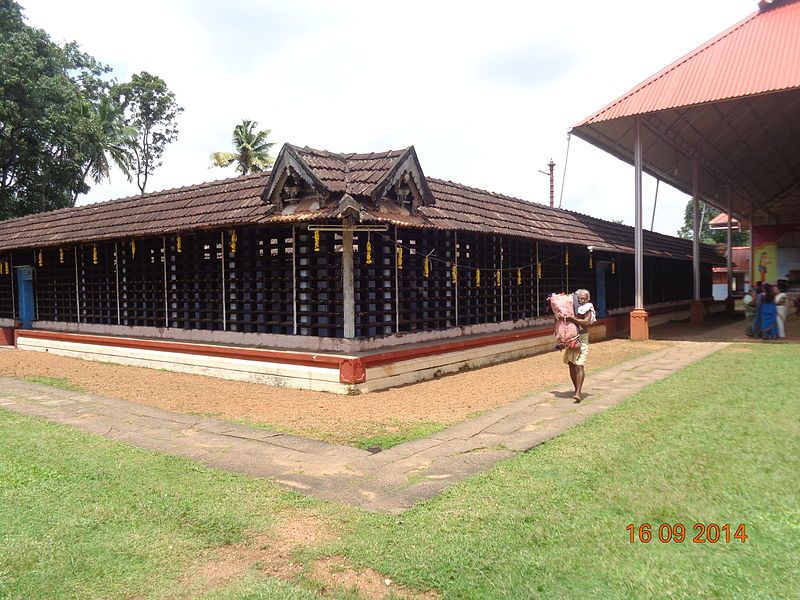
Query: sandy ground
{"points": [[341, 419]]}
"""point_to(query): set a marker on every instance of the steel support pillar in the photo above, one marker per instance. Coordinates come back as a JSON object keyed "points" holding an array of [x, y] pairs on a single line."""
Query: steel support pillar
{"points": [[697, 305], [639, 324], [730, 303]]}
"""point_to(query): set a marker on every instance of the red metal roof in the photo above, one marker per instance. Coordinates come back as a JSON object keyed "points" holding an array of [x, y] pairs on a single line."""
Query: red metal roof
{"points": [[759, 54]]}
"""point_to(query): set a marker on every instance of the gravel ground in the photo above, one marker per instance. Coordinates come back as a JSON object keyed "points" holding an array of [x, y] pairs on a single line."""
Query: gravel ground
{"points": [[340, 419]]}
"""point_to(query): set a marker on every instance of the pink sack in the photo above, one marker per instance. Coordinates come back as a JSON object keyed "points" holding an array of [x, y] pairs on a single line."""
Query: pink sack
{"points": [[566, 333]]}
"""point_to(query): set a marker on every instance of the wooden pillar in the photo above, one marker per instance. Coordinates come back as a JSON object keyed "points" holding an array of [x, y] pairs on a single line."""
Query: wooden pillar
{"points": [[348, 280], [455, 262], [294, 279], [536, 276], [13, 288], [166, 290], [224, 285], [501, 281], [77, 284], [396, 286], [116, 277]]}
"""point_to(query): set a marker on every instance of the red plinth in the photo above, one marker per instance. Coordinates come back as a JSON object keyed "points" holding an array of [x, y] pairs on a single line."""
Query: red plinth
{"points": [[698, 312], [640, 325]]}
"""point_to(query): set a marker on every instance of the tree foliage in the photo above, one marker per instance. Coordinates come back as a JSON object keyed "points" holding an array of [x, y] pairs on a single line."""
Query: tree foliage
{"points": [[47, 122], [708, 235], [252, 149], [149, 107]]}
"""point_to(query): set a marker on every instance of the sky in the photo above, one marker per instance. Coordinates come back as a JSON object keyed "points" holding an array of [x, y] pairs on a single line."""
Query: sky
{"points": [[485, 91]]}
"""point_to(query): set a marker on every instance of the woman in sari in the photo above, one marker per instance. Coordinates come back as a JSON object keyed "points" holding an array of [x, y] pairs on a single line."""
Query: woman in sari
{"points": [[768, 315]]}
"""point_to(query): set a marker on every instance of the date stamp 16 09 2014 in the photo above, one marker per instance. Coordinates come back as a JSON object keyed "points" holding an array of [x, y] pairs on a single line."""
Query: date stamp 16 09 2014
{"points": [[701, 533]]}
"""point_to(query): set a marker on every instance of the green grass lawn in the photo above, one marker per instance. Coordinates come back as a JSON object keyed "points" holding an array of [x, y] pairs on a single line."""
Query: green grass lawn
{"points": [[84, 517]]}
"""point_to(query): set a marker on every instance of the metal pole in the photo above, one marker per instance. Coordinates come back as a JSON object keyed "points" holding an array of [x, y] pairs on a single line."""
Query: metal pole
{"points": [[396, 286], [348, 281], [655, 203], [536, 276], [730, 245], [166, 292], [294, 278], [638, 236], [77, 285], [552, 167], [455, 262], [696, 229], [116, 275], [224, 286]]}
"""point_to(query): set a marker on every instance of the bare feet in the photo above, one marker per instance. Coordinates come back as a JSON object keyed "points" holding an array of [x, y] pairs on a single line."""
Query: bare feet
{"points": [[577, 398]]}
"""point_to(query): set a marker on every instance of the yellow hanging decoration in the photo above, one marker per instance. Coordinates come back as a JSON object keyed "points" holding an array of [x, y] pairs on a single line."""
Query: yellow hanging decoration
{"points": [[8, 267], [234, 239], [497, 279], [61, 255], [591, 265], [133, 248], [519, 276], [426, 267], [369, 252], [4, 268], [454, 273], [316, 241], [41, 259], [566, 257], [538, 270], [477, 278], [400, 257], [613, 267], [94, 254], [179, 245]]}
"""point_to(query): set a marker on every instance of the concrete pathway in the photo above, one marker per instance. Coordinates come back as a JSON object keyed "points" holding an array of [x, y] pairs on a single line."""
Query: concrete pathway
{"points": [[390, 481]]}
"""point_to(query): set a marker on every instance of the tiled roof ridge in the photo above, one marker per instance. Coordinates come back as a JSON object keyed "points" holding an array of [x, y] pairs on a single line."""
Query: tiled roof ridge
{"points": [[136, 197], [346, 156], [671, 67]]}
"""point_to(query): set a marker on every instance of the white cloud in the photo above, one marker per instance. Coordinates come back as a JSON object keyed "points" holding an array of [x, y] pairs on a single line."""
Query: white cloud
{"points": [[485, 91]]}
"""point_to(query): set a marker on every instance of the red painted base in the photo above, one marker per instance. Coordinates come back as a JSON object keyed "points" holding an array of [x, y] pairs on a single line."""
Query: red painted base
{"points": [[698, 312], [640, 325], [6, 336]]}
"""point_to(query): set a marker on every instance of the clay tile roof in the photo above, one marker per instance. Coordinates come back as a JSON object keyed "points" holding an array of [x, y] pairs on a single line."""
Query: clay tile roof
{"points": [[356, 174], [204, 206], [238, 201]]}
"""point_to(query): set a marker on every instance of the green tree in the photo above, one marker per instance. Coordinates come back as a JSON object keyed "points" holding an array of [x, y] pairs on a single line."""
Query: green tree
{"points": [[44, 125], [110, 138], [708, 235], [149, 107], [252, 149]]}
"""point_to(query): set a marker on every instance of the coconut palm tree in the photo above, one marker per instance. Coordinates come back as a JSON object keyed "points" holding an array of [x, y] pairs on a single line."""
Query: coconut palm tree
{"points": [[108, 138], [252, 149]]}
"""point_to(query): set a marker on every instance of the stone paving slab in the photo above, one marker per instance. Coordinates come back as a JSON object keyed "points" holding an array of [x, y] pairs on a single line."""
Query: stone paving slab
{"points": [[390, 481]]}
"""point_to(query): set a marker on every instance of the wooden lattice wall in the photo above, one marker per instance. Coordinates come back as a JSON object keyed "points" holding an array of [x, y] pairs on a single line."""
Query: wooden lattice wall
{"points": [[288, 280], [7, 289]]}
